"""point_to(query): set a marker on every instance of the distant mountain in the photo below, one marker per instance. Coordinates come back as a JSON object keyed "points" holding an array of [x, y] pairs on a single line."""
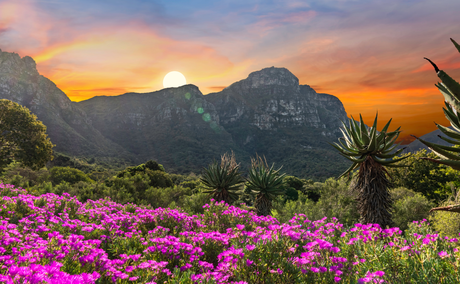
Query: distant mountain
{"points": [[268, 114], [429, 137], [175, 126]]}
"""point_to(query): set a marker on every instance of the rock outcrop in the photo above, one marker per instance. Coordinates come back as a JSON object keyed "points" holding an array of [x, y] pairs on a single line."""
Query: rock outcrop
{"points": [[68, 126], [268, 114]]}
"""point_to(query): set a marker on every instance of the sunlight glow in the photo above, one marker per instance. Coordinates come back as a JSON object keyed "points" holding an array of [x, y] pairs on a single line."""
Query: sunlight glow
{"points": [[174, 79]]}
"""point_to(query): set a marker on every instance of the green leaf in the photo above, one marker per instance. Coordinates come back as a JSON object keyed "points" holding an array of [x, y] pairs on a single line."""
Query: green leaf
{"points": [[449, 132], [350, 169], [451, 84], [456, 44]]}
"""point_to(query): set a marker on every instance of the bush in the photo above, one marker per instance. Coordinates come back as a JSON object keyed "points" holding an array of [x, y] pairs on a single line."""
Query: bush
{"points": [[337, 200], [163, 197], [67, 174], [409, 206], [447, 223], [193, 204]]}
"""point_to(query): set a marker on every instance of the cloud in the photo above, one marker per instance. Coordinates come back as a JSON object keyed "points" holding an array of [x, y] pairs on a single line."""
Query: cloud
{"points": [[367, 53]]}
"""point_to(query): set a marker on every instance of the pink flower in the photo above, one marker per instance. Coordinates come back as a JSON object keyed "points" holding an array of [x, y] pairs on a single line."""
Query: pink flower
{"points": [[443, 254]]}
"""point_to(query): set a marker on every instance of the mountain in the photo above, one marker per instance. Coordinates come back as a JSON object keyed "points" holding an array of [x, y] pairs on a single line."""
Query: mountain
{"points": [[268, 113], [175, 126], [67, 124], [429, 137]]}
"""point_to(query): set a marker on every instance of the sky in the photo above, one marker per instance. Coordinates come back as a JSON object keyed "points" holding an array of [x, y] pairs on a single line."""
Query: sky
{"points": [[368, 53]]}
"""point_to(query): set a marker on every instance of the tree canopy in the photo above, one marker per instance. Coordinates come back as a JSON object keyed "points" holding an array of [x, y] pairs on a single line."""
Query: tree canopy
{"points": [[22, 137]]}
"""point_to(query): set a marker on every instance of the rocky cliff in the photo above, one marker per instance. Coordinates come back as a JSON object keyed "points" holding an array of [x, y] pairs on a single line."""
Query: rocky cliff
{"points": [[68, 126], [268, 114], [175, 126]]}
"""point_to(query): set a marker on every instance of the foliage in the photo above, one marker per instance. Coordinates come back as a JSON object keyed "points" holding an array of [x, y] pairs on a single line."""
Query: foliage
{"points": [[450, 89], [446, 223], [67, 174], [266, 182], [223, 181], [101, 241], [22, 137], [142, 168], [424, 176], [371, 152], [409, 206]]}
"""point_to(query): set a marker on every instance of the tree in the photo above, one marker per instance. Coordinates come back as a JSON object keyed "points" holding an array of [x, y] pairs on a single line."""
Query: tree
{"points": [[22, 137], [371, 152]]}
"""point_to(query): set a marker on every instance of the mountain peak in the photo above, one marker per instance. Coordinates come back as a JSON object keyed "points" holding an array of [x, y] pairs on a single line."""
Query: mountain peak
{"points": [[272, 76]]}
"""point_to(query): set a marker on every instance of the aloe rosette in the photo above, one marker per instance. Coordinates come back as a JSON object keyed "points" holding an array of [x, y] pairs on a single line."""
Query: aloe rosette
{"points": [[223, 181], [267, 183], [448, 155], [371, 151]]}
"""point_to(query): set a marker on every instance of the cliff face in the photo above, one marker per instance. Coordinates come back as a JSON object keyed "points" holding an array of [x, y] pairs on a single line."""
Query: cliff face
{"points": [[68, 126], [175, 126], [268, 114], [272, 98]]}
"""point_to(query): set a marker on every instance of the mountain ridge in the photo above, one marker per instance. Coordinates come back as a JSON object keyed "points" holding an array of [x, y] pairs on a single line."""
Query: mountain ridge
{"points": [[268, 113]]}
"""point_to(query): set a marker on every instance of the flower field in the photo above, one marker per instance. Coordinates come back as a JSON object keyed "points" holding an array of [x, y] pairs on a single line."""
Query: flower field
{"points": [[57, 239]]}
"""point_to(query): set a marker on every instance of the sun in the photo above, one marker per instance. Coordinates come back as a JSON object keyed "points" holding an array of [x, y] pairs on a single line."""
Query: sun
{"points": [[174, 79]]}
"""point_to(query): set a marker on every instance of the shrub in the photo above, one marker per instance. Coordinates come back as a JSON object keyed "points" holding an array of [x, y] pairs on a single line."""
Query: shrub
{"points": [[409, 206], [67, 174], [163, 197], [445, 222], [193, 204]]}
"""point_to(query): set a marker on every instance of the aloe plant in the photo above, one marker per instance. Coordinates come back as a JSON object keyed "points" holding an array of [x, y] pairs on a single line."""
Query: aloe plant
{"points": [[450, 89], [370, 151], [448, 155], [223, 180], [266, 182]]}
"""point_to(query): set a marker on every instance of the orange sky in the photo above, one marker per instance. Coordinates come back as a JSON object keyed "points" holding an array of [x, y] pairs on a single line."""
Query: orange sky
{"points": [[367, 53]]}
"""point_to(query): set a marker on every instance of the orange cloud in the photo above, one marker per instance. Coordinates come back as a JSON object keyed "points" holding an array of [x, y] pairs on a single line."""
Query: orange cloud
{"points": [[131, 58]]}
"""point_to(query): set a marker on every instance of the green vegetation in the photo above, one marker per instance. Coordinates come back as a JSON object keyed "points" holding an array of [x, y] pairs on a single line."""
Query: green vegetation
{"points": [[371, 152], [331, 198], [223, 180], [22, 137], [266, 182]]}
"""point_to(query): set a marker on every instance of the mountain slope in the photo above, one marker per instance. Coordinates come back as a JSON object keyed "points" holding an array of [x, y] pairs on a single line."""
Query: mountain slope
{"points": [[268, 114], [175, 126], [68, 126]]}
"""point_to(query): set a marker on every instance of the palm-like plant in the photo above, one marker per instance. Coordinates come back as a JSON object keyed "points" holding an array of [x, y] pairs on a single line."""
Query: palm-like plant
{"points": [[448, 155], [266, 182], [371, 152], [223, 180]]}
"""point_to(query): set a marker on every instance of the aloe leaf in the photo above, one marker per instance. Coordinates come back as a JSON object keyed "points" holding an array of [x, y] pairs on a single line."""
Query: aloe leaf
{"points": [[449, 132], [350, 169], [456, 44], [449, 140]]}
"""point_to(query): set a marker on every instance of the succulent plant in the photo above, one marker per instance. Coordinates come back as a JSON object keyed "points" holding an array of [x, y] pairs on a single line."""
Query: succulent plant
{"points": [[223, 180], [450, 89], [266, 182], [361, 142], [448, 155], [371, 152]]}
